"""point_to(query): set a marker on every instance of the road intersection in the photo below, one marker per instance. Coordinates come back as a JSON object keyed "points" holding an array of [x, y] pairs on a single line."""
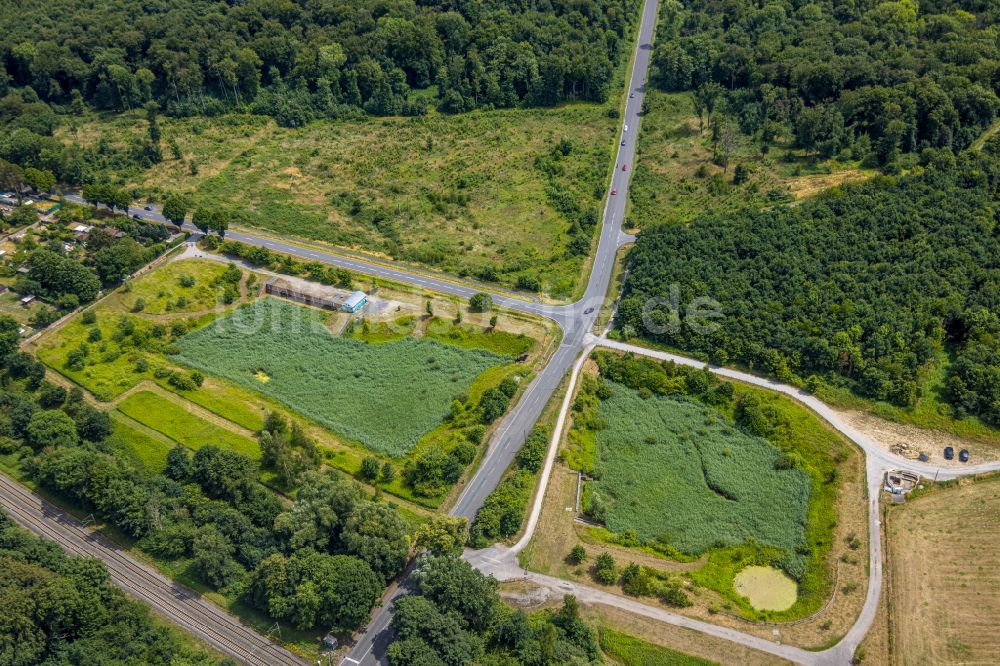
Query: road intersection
{"points": [[577, 321]]}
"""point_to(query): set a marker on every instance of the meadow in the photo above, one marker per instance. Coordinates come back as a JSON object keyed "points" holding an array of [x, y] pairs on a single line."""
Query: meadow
{"points": [[676, 180], [672, 470], [171, 419], [386, 396], [467, 194]]}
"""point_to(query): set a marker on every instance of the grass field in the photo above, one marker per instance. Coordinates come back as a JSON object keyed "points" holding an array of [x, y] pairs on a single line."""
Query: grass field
{"points": [[462, 193], [944, 571], [386, 396], [171, 419], [673, 471], [149, 453], [162, 291], [675, 179], [625, 650]]}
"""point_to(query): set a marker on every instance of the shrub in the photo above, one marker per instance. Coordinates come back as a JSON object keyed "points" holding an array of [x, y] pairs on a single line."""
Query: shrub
{"points": [[577, 555]]}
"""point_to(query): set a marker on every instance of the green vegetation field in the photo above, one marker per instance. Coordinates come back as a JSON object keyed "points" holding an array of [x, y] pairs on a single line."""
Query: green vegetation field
{"points": [[473, 193], [625, 650], [163, 415], [685, 464], [675, 179], [671, 469], [147, 452], [386, 396], [163, 291]]}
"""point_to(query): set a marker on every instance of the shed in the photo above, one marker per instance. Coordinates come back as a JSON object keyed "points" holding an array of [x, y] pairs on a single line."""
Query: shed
{"points": [[27, 300], [354, 302]]}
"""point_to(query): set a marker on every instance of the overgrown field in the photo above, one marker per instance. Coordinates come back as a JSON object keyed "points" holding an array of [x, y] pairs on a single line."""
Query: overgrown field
{"points": [[684, 463], [675, 178], [493, 193], [386, 396], [672, 470]]}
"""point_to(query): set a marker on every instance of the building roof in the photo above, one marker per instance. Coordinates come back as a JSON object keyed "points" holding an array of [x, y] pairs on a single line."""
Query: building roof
{"points": [[354, 300]]}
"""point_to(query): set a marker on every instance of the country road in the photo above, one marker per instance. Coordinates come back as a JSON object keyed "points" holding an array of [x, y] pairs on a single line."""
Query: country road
{"points": [[576, 321], [176, 603], [502, 563]]}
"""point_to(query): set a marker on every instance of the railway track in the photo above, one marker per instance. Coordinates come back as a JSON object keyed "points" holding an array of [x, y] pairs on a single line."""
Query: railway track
{"points": [[174, 602]]}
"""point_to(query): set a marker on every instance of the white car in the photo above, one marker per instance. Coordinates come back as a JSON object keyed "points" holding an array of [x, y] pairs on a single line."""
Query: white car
{"points": [[626, 128]]}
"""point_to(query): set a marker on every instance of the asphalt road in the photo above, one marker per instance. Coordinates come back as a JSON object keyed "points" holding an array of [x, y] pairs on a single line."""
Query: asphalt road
{"points": [[576, 323], [576, 319], [171, 600]]}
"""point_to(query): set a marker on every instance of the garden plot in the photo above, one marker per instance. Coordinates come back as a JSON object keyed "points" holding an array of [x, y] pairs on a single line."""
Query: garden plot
{"points": [[386, 396]]}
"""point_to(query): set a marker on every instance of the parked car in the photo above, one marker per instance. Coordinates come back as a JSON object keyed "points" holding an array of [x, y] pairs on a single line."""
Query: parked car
{"points": [[614, 192], [963, 455], [949, 453], [147, 208], [136, 216]]}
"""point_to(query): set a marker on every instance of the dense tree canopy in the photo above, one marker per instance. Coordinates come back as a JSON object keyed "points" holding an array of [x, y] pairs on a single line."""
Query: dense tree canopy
{"points": [[64, 610], [455, 617], [863, 286], [299, 59], [875, 78]]}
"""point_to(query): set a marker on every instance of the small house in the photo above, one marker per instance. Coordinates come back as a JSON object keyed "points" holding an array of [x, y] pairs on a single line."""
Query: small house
{"points": [[23, 270], [27, 300], [354, 302]]}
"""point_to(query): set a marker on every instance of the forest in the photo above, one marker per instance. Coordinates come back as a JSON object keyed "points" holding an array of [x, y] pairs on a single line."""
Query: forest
{"points": [[300, 59], [862, 287], [64, 610], [867, 81]]}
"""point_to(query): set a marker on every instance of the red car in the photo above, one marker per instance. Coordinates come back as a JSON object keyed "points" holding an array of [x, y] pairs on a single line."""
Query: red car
{"points": [[624, 167], [614, 192]]}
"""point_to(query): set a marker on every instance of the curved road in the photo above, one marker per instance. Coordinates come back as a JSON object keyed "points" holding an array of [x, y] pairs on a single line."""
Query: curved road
{"points": [[577, 320], [502, 562]]}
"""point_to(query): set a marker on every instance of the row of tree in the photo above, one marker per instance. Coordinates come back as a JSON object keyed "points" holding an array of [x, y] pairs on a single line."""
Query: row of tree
{"points": [[862, 287], [873, 79], [299, 60]]}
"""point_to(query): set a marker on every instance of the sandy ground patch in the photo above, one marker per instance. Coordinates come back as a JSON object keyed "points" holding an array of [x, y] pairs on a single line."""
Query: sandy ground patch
{"points": [[909, 440]]}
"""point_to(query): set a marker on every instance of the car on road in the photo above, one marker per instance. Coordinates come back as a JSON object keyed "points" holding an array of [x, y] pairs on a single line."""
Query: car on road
{"points": [[147, 208], [588, 311], [623, 142], [963, 455], [631, 95], [626, 128], [949, 453], [614, 192], [624, 167], [136, 216]]}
